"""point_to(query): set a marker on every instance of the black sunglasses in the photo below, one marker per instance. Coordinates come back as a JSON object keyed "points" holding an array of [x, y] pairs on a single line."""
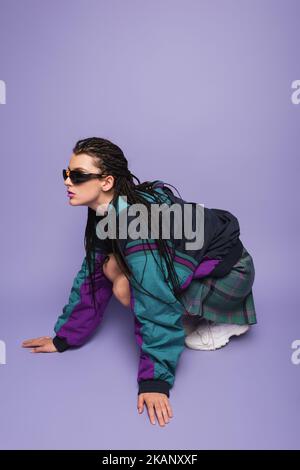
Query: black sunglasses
{"points": [[78, 177]]}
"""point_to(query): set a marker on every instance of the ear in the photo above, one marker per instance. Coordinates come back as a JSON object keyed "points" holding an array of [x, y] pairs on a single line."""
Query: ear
{"points": [[107, 183]]}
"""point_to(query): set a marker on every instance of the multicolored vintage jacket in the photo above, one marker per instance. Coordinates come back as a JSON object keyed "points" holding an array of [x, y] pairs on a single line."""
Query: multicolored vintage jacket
{"points": [[158, 321]]}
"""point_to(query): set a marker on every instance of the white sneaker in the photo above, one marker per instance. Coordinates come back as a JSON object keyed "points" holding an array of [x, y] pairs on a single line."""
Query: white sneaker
{"points": [[209, 337]]}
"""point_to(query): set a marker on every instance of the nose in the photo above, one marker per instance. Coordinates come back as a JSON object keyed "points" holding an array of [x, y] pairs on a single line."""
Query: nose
{"points": [[67, 181]]}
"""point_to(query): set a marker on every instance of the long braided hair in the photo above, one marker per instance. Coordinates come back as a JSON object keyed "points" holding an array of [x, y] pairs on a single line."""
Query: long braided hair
{"points": [[110, 159]]}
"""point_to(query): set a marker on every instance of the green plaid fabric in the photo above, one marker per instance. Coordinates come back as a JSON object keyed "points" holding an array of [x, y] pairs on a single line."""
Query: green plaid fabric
{"points": [[224, 300]]}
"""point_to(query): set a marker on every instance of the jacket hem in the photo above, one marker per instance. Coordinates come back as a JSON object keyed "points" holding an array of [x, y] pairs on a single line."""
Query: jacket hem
{"points": [[60, 344], [154, 385]]}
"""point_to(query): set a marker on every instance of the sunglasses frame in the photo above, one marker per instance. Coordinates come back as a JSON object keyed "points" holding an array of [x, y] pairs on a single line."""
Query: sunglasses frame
{"points": [[83, 177]]}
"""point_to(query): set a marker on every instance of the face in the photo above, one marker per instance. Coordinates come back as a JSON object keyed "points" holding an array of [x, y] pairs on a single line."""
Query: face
{"points": [[91, 193]]}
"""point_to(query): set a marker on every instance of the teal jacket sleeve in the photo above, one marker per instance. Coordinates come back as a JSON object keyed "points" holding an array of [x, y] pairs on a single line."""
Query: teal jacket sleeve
{"points": [[79, 317], [158, 327]]}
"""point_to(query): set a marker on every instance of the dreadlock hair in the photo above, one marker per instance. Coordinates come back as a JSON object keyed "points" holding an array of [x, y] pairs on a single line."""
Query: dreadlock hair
{"points": [[110, 159]]}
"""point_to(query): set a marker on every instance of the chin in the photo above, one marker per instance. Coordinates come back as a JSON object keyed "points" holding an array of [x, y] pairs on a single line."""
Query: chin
{"points": [[73, 202]]}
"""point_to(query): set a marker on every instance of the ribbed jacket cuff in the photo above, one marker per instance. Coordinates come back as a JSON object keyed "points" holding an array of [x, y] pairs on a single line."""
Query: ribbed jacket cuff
{"points": [[60, 344], [154, 385]]}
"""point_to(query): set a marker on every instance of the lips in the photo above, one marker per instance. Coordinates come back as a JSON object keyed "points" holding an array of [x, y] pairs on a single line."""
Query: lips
{"points": [[70, 193]]}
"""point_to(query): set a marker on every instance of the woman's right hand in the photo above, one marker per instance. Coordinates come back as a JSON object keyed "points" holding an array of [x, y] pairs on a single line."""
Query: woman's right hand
{"points": [[41, 344]]}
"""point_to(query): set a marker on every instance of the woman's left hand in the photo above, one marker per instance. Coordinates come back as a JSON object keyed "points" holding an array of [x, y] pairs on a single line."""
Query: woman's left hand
{"points": [[156, 403], [42, 344]]}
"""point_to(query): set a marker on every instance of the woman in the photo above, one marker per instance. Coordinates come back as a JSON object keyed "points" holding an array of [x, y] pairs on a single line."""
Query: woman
{"points": [[196, 296]]}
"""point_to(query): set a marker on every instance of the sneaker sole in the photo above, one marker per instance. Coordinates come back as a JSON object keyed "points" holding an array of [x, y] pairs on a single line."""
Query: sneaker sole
{"points": [[222, 341]]}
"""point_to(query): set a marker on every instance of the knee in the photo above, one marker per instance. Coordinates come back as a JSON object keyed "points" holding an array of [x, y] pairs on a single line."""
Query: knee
{"points": [[120, 286], [121, 289]]}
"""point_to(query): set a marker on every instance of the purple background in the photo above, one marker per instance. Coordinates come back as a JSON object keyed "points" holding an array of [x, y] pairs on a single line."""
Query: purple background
{"points": [[198, 94]]}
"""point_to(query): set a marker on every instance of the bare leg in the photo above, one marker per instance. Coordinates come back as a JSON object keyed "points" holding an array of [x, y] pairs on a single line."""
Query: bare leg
{"points": [[120, 288]]}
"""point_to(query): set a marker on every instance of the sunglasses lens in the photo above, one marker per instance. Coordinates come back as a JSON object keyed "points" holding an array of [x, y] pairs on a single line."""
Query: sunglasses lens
{"points": [[78, 177], [75, 176]]}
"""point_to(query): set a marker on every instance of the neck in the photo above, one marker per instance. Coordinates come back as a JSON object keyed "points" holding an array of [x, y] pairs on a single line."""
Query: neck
{"points": [[102, 201]]}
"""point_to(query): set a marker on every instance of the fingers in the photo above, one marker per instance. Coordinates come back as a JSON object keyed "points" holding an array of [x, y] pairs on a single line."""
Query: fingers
{"points": [[169, 409], [35, 339], [164, 412], [159, 406], [140, 403], [159, 414], [46, 348], [40, 349], [41, 344], [151, 414], [35, 342]]}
